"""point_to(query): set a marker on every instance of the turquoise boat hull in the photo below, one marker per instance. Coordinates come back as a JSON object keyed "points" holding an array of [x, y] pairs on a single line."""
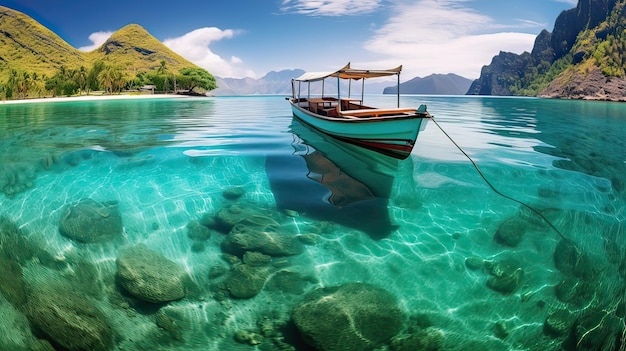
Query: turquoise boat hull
{"points": [[393, 135]]}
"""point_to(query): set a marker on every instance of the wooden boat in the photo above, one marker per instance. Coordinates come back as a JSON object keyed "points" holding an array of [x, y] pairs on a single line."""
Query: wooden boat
{"points": [[391, 131]]}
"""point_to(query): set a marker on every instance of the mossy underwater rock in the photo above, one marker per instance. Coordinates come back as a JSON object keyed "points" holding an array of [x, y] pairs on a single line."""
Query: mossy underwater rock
{"points": [[558, 323], [511, 232], [429, 339], [198, 232], [506, 276], [150, 276], [350, 317], [69, 320], [572, 261], [599, 330], [246, 281], [243, 238], [89, 221]]}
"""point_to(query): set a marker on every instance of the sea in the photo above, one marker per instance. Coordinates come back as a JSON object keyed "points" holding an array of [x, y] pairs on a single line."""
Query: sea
{"points": [[209, 224]]}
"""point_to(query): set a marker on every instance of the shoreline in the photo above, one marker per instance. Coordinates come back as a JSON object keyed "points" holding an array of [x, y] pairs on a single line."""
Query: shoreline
{"points": [[95, 97]]}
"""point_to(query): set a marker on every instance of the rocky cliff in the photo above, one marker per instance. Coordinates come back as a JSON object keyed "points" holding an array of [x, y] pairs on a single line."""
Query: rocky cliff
{"points": [[582, 58]]}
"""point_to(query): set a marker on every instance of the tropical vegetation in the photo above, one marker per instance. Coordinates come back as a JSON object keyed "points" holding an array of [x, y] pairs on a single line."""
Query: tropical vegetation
{"points": [[106, 79], [35, 62]]}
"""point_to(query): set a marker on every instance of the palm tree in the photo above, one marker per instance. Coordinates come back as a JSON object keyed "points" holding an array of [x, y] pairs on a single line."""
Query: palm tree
{"points": [[80, 78], [162, 67], [107, 78], [162, 70]]}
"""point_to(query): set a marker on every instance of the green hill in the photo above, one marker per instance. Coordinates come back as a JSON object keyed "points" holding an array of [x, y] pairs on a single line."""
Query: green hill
{"points": [[584, 57], [35, 62], [26, 45], [133, 48]]}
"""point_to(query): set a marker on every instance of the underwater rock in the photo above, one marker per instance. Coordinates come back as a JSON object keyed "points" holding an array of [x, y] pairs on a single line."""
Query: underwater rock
{"points": [[150, 276], [598, 330], [198, 247], [309, 239], [575, 291], [558, 323], [14, 245], [350, 317], [256, 259], [74, 158], [429, 339], [510, 232], [166, 319], [501, 329], [474, 263], [288, 282], [89, 221], [506, 277], [17, 333], [16, 178], [69, 320], [197, 231], [244, 238], [245, 281], [225, 219], [233, 193], [572, 261], [248, 337], [12, 287]]}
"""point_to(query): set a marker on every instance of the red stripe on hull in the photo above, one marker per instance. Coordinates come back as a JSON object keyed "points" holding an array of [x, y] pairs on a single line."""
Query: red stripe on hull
{"points": [[389, 149]]}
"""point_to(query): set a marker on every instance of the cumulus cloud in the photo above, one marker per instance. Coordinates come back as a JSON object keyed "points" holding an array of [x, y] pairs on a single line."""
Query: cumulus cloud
{"points": [[571, 2], [97, 39], [330, 7], [195, 47], [443, 36]]}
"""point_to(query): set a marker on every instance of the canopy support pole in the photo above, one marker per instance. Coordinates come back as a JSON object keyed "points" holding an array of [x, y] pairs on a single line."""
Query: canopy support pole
{"points": [[398, 90]]}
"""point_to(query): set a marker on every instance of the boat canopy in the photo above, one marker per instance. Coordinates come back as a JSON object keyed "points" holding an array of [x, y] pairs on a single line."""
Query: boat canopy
{"points": [[348, 73]]}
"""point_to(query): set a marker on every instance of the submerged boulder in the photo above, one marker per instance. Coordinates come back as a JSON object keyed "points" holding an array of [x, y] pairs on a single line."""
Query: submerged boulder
{"points": [[150, 276], [243, 238], [245, 281], [511, 232], [69, 320], [89, 221], [558, 323], [506, 276], [350, 317], [429, 339], [599, 330], [572, 261]]}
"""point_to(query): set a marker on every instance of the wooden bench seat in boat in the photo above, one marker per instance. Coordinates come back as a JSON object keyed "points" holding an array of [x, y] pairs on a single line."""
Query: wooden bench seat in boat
{"points": [[377, 112]]}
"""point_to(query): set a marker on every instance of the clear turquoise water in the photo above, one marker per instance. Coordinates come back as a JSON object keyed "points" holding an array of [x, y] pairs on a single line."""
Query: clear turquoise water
{"points": [[407, 226]]}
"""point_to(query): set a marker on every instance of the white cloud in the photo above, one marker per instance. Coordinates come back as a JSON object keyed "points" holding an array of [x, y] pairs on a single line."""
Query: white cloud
{"points": [[443, 36], [571, 2], [195, 47], [330, 7], [97, 39]]}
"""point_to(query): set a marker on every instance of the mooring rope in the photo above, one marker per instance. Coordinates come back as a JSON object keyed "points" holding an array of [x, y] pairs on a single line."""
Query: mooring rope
{"points": [[482, 175]]}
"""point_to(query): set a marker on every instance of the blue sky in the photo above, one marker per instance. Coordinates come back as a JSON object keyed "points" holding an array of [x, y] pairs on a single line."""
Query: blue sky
{"points": [[248, 38]]}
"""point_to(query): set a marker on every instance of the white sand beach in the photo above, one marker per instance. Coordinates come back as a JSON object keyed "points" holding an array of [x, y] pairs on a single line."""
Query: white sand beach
{"points": [[96, 97]]}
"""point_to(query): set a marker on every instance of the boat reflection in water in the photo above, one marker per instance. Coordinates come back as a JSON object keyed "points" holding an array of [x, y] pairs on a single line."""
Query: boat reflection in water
{"points": [[327, 179]]}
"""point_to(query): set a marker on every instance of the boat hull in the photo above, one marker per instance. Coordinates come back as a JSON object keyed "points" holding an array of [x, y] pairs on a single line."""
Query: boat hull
{"points": [[391, 135]]}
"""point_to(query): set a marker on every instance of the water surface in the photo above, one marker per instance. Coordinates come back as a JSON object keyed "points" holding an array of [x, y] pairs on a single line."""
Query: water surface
{"points": [[181, 172]]}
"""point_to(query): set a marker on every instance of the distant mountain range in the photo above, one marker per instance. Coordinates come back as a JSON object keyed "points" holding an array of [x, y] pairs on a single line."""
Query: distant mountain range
{"points": [[435, 84], [271, 83], [280, 83]]}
